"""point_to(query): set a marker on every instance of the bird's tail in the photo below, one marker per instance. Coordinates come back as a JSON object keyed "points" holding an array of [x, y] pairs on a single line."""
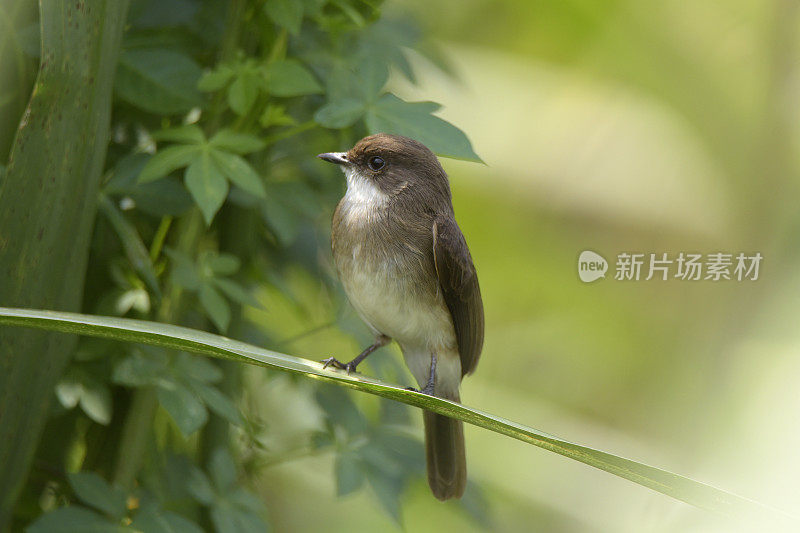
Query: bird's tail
{"points": [[444, 450]]}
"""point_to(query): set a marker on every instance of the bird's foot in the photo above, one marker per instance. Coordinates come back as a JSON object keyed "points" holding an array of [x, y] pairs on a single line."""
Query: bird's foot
{"points": [[428, 388], [335, 363]]}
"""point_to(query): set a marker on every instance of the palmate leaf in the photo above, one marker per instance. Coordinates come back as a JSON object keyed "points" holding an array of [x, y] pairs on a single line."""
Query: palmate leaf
{"points": [[201, 342], [158, 80], [390, 114], [239, 171], [290, 78]]}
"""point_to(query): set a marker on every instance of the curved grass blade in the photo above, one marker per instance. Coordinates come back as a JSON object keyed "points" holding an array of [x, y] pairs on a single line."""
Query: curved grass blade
{"points": [[189, 340]]}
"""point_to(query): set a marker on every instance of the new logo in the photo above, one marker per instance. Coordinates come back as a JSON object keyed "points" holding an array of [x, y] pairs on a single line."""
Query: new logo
{"points": [[591, 266]]}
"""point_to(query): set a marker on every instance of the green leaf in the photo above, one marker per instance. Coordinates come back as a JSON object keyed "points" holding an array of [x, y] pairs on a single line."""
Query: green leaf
{"points": [[341, 113], [223, 264], [216, 79], [216, 307], [68, 392], [236, 292], [222, 470], [197, 369], [185, 339], [183, 405], [230, 519], [139, 370], [207, 185], [238, 143], [349, 473], [95, 491], [160, 521], [392, 115], [78, 388], [340, 409], [200, 487], [73, 519], [166, 196], [388, 489], [184, 270], [135, 250], [274, 115], [160, 81], [96, 402], [239, 171], [342, 83], [286, 13], [168, 160], [291, 78], [351, 12], [246, 501], [219, 403], [189, 134], [373, 73], [243, 91]]}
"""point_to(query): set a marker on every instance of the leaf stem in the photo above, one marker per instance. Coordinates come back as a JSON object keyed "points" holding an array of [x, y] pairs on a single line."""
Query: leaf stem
{"points": [[159, 238]]}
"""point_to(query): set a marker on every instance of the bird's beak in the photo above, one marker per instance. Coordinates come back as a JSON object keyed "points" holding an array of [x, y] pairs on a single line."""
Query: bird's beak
{"points": [[340, 158]]}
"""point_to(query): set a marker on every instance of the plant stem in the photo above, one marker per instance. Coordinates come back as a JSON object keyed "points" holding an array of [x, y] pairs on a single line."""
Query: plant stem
{"points": [[158, 239], [135, 437], [230, 41]]}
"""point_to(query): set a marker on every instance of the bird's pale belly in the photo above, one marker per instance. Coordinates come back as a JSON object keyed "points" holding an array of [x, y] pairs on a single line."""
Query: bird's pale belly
{"points": [[393, 303]]}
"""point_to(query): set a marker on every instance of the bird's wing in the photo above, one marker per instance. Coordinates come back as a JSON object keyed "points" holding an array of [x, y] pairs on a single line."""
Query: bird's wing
{"points": [[459, 284]]}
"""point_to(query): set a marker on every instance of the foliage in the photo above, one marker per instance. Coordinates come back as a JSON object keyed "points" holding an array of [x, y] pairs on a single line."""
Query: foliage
{"points": [[211, 193]]}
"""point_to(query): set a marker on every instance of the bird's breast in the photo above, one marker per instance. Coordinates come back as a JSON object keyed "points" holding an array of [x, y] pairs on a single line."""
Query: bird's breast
{"points": [[386, 268]]}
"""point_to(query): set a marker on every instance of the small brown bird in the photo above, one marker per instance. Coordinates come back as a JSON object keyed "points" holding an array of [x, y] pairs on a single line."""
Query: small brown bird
{"points": [[406, 269]]}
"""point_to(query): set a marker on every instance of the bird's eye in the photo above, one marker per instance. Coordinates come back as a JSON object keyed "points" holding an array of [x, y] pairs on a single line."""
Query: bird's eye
{"points": [[376, 163]]}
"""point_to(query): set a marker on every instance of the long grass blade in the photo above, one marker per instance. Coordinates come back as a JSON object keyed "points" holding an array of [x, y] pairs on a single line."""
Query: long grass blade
{"points": [[189, 340]]}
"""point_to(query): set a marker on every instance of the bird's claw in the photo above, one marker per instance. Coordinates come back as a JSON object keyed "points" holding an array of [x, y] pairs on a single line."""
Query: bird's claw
{"points": [[430, 385], [335, 363], [427, 389]]}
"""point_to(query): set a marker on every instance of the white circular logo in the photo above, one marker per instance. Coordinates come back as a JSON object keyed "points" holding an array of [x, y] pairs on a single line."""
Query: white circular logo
{"points": [[591, 266]]}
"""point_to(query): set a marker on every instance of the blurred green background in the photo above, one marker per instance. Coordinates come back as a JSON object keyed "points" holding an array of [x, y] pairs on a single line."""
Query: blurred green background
{"points": [[620, 126], [614, 126]]}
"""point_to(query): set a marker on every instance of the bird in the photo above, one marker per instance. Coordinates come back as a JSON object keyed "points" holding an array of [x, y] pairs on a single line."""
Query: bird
{"points": [[406, 269]]}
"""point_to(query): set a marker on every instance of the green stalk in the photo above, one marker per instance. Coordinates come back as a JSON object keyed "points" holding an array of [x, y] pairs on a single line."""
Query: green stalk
{"points": [[159, 238], [201, 342], [48, 201], [135, 437]]}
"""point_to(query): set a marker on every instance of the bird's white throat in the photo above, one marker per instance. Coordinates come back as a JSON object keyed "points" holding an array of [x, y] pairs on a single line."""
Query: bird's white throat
{"points": [[362, 192]]}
